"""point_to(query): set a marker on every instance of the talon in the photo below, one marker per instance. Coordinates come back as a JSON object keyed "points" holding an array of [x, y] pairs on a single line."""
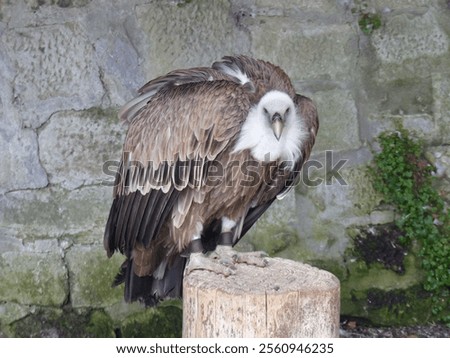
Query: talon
{"points": [[199, 261], [224, 259], [229, 262], [257, 258]]}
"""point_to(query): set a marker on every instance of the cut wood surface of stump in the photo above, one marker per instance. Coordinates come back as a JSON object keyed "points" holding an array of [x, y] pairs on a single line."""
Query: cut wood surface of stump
{"points": [[284, 299]]}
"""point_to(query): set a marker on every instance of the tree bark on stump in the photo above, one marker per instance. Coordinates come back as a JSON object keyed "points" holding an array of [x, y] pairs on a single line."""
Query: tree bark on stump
{"points": [[284, 299]]}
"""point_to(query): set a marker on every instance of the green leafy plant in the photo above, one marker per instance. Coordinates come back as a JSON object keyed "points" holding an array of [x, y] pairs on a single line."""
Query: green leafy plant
{"points": [[369, 22], [369, 19], [405, 179]]}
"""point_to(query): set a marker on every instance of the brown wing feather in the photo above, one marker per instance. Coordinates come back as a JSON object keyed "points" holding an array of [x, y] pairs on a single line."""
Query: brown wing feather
{"points": [[174, 78], [308, 111]]}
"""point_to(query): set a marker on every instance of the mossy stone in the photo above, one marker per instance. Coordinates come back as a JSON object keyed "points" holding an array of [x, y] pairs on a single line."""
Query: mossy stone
{"points": [[364, 276], [273, 239], [80, 213], [164, 321], [66, 138], [274, 231], [52, 323], [63, 323], [398, 307], [201, 32], [33, 278], [383, 296], [100, 325], [92, 274]]}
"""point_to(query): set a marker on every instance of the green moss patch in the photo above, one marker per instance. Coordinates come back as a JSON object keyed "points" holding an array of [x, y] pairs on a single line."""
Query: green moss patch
{"points": [[33, 278], [274, 239], [91, 277], [68, 323], [397, 307], [163, 321], [100, 325]]}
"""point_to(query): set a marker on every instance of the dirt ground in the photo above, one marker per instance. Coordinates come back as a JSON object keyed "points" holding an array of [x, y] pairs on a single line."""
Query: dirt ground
{"points": [[353, 329]]}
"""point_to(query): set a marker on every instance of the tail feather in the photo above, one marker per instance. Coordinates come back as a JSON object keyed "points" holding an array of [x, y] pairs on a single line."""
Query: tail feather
{"points": [[148, 289]]}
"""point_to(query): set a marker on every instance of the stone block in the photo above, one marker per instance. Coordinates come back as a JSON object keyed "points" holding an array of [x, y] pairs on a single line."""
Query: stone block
{"points": [[20, 162], [10, 312], [33, 278], [380, 217], [421, 126], [201, 32], [325, 211], [274, 231], [441, 104], [55, 70], [35, 4], [405, 37], [50, 213], [317, 224], [8, 242], [440, 158], [382, 295], [339, 128], [118, 59], [50, 322], [117, 40], [321, 10], [306, 53], [121, 309], [75, 147], [410, 46], [92, 274], [163, 321], [364, 276], [396, 5], [401, 96]]}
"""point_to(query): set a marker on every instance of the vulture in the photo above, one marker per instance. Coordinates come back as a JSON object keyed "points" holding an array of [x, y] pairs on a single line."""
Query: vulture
{"points": [[208, 150]]}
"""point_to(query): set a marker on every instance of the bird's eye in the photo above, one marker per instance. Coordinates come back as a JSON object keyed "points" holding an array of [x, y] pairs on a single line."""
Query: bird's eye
{"points": [[287, 111], [265, 110]]}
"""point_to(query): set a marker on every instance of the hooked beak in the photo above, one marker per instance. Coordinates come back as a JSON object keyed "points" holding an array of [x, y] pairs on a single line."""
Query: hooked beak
{"points": [[277, 125]]}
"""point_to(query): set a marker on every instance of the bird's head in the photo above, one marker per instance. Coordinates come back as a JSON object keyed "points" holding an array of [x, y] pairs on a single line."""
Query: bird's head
{"points": [[273, 129], [277, 110]]}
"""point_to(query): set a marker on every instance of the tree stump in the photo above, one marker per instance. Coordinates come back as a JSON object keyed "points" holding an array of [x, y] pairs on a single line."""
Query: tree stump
{"points": [[284, 299]]}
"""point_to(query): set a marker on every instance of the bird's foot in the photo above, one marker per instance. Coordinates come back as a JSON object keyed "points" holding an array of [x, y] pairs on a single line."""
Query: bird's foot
{"points": [[223, 259], [208, 262]]}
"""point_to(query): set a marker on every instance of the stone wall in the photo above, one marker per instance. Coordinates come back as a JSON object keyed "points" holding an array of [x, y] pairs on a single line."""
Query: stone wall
{"points": [[66, 66]]}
